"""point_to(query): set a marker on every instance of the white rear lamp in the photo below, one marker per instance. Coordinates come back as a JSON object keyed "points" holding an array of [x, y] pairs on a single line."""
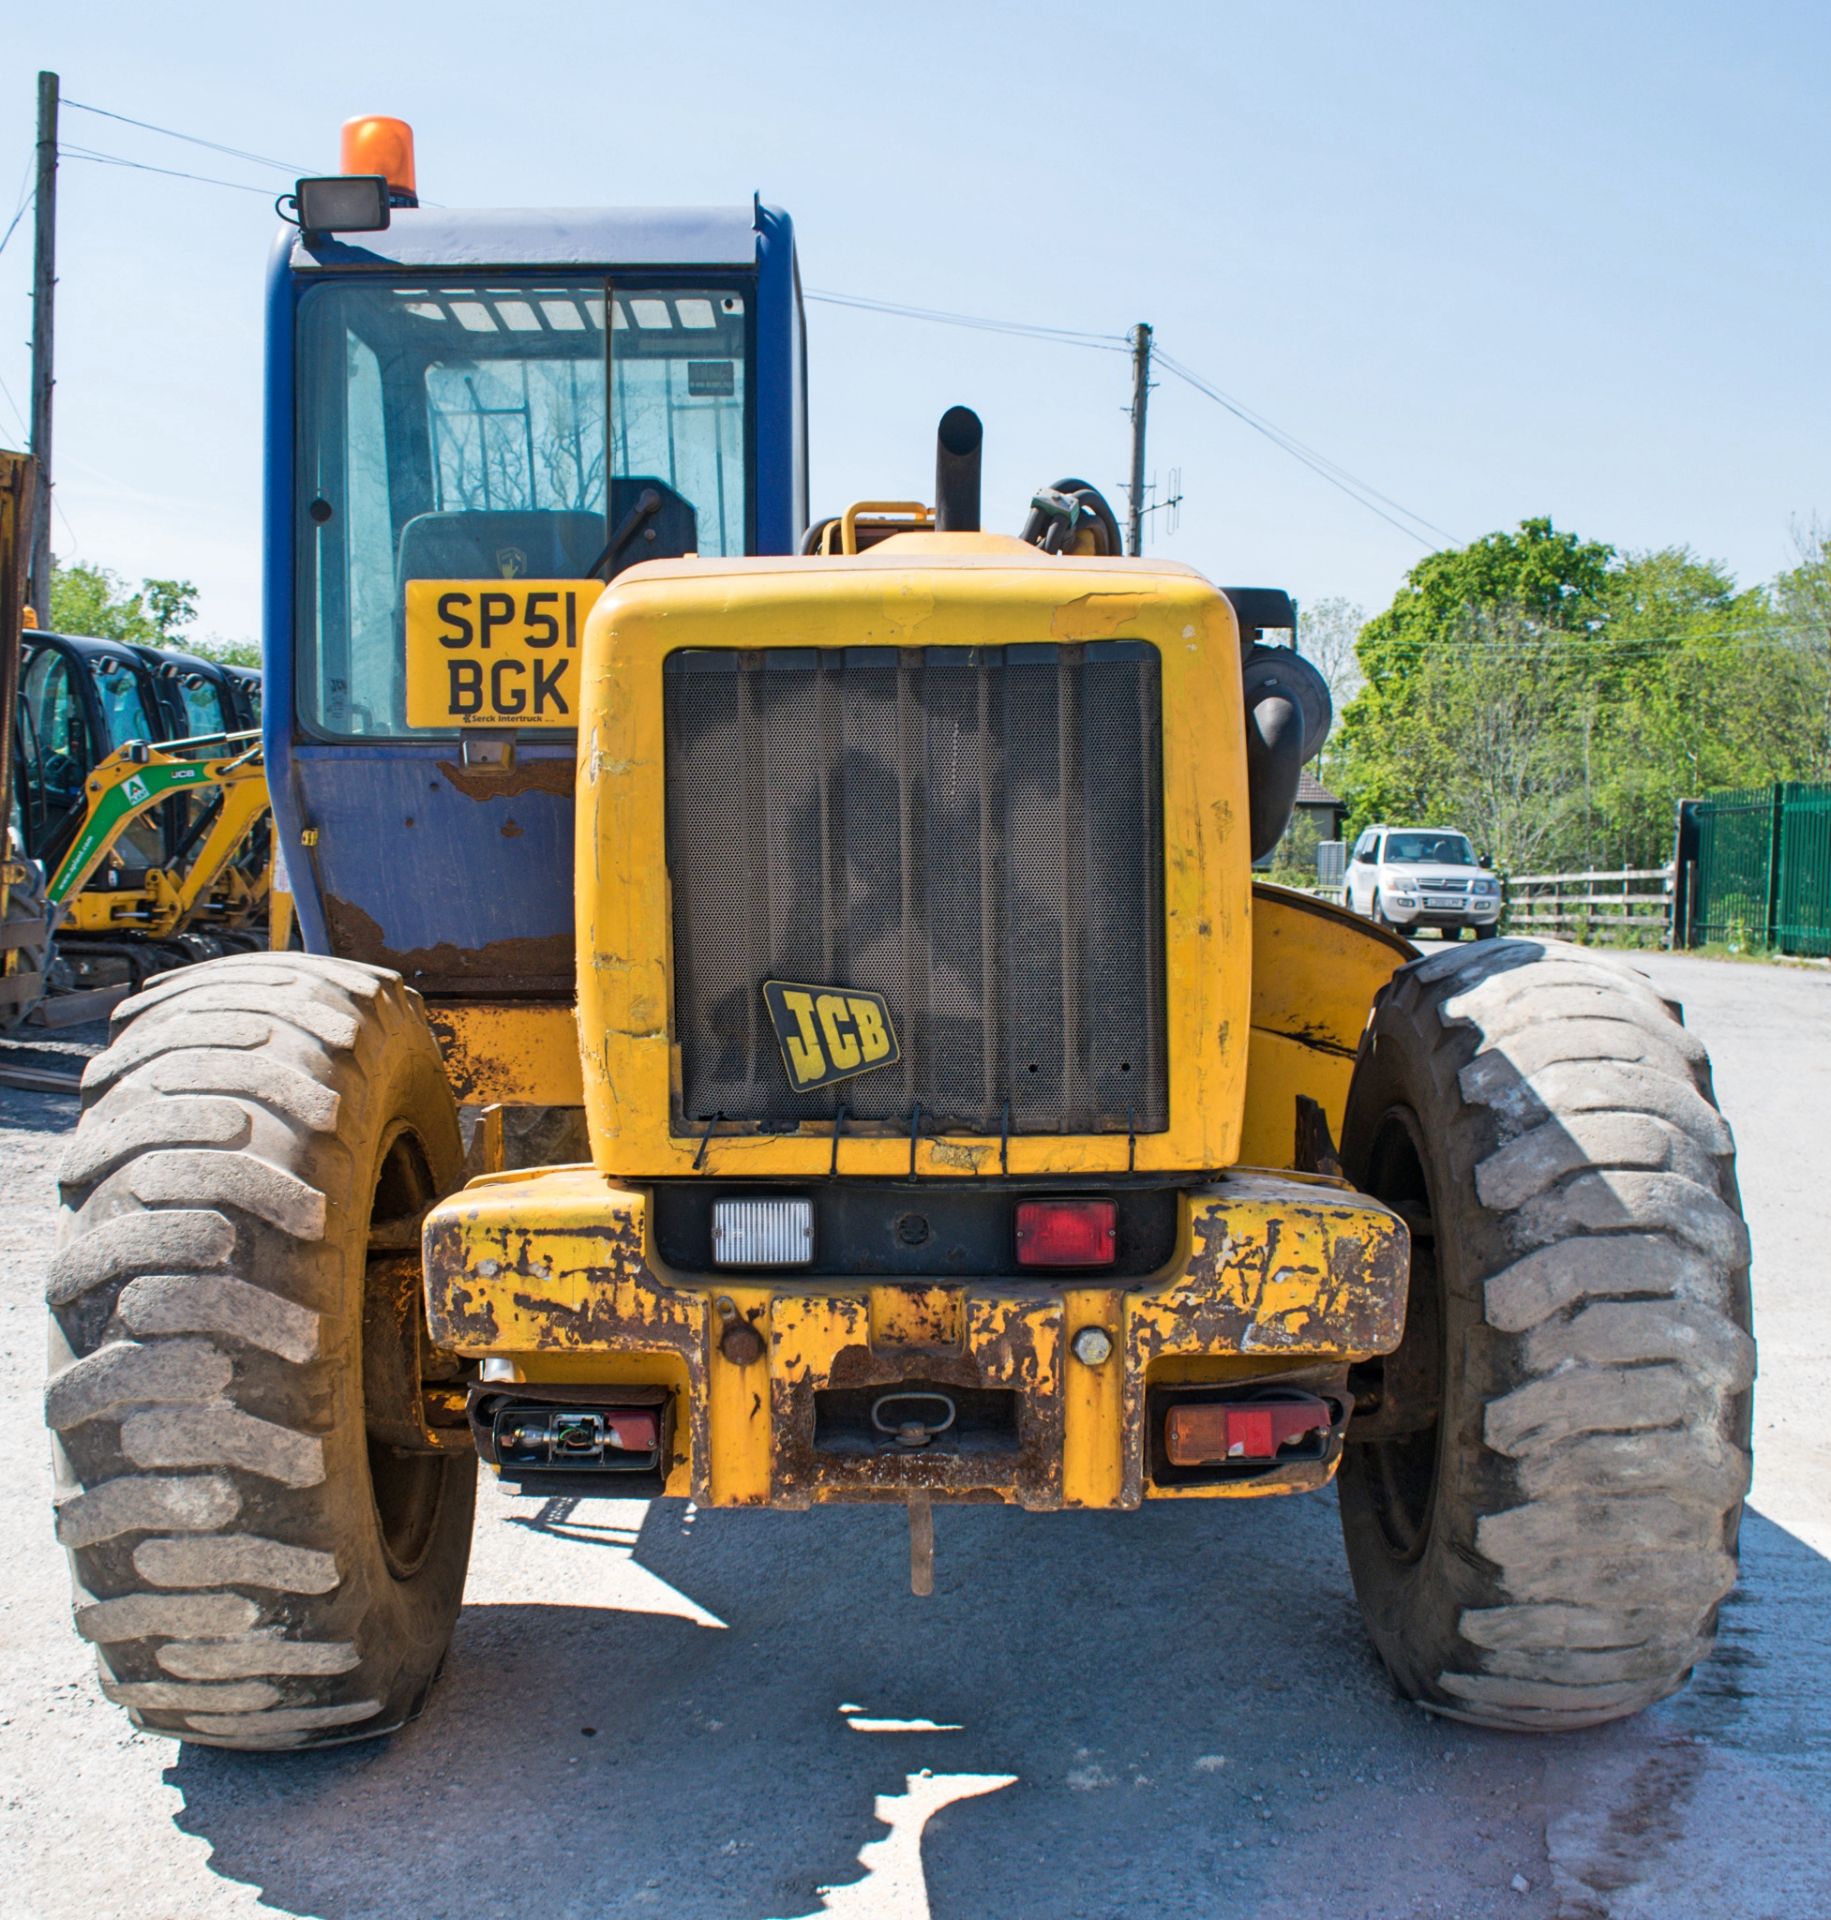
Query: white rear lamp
{"points": [[762, 1233]]}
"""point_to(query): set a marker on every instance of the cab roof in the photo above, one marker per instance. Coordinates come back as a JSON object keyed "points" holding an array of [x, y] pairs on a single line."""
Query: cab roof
{"points": [[517, 238]]}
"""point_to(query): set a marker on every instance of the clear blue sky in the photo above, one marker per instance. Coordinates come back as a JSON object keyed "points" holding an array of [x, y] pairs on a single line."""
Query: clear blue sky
{"points": [[1497, 260]]}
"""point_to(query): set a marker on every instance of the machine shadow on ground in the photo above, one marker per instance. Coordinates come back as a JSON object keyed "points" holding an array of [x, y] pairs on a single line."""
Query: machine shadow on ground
{"points": [[1192, 1715]]}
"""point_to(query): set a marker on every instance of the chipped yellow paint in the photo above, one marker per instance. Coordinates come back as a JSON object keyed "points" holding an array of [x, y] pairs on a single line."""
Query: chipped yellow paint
{"points": [[931, 589], [1093, 1403], [963, 1157], [1315, 971], [509, 1053], [552, 1270], [740, 1423]]}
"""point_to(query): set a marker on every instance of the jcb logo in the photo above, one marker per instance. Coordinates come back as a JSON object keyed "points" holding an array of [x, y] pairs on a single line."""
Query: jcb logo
{"points": [[829, 1033]]}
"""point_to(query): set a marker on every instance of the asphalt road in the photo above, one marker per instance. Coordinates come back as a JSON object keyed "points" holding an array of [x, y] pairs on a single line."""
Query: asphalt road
{"points": [[705, 1716]]}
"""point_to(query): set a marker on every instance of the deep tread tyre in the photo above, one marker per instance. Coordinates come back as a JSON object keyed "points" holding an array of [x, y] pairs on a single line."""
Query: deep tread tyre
{"points": [[1549, 1551], [253, 1572]]}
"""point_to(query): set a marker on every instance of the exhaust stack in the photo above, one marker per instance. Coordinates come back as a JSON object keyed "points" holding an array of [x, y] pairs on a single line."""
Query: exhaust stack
{"points": [[957, 447]]}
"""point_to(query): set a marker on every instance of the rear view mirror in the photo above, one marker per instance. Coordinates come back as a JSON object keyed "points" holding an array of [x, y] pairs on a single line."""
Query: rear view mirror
{"points": [[1485, 860]]}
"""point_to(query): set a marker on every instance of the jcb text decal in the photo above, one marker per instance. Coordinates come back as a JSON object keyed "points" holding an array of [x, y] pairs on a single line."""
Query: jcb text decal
{"points": [[829, 1033], [495, 653]]}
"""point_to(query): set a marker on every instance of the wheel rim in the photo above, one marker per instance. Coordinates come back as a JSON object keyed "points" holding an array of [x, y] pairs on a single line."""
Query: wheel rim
{"points": [[1401, 1473], [407, 1489]]}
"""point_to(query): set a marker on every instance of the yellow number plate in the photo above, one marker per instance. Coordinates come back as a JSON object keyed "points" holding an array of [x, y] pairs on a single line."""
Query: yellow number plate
{"points": [[495, 653]]}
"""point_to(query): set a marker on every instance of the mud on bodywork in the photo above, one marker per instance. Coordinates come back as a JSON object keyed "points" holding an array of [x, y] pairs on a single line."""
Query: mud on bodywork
{"points": [[553, 1270]]}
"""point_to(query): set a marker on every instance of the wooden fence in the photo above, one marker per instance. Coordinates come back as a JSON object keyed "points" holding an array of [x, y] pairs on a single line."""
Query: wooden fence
{"points": [[1629, 906]]}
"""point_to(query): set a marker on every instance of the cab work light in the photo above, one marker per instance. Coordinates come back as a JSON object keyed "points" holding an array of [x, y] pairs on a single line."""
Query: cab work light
{"points": [[1067, 1233], [343, 203], [762, 1233]]}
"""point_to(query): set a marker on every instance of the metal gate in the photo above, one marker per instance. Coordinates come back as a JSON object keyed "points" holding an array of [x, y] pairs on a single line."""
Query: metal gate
{"points": [[1755, 868]]}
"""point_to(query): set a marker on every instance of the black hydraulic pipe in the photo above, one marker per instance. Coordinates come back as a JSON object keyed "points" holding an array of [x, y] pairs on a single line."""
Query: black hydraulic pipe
{"points": [[1274, 760], [957, 450]]}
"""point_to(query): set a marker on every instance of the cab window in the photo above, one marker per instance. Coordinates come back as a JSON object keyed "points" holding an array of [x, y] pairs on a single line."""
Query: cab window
{"points": [[125, 714], [203, 707], [59, 755], [477, 432]]}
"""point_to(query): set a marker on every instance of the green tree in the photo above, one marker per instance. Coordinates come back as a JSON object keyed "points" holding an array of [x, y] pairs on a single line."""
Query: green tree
{"points": [[96, 603], [1520, 601], [1557, 699], [171, 605], [1328, 632], [1802, 599], [1682, 698]]}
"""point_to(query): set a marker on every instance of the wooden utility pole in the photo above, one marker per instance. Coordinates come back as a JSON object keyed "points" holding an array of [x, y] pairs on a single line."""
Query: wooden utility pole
{"points": [[1141, 393], [44, 296]]}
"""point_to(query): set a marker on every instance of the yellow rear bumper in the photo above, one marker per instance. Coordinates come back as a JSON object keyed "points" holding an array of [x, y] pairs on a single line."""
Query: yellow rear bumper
{"points": [[553, 1273]]}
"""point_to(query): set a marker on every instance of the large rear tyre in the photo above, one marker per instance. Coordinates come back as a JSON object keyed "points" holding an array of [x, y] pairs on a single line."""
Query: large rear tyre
{"points": [[254, 1569], [1546, 1521]]}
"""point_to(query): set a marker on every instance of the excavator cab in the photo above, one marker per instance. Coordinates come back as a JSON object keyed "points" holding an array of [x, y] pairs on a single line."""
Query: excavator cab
{"points": [[80, 701]]}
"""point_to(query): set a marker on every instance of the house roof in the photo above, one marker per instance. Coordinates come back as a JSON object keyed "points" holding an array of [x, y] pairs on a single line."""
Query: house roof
{"points": [[1312, 793]]}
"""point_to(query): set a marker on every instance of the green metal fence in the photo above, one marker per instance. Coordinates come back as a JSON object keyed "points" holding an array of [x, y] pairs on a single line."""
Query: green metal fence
{"points": [[1756, 867]]}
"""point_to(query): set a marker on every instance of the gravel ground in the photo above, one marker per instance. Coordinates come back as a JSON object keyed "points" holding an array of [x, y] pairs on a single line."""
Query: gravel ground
{"points": [[650, 1710]]}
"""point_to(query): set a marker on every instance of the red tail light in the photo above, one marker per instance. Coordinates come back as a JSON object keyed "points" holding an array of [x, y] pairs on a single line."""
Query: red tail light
{"points": [[1067, 1233], [1216, 1433]]}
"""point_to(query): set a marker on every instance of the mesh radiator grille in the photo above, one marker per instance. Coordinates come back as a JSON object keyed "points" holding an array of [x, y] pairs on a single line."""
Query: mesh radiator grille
{"points": [[973, 832]]}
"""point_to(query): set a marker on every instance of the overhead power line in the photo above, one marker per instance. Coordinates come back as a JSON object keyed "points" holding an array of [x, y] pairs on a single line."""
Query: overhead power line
{"points": [[12, 224], [25, 200], [1604, 645], [1337, 476], [978, 323], [192, 139], [67, 152], [1401, 518]]}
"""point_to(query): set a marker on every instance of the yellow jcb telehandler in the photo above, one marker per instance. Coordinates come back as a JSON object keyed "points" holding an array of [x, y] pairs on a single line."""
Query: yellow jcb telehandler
{"points": [[956, 1120]]}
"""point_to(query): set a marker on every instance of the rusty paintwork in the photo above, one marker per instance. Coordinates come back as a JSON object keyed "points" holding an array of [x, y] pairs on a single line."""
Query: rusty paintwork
{"points": [[515, 1053], [552, 1271], [529, 775], [1278, 1267], [525, 964], [1006, 1344], [497, 1283]]}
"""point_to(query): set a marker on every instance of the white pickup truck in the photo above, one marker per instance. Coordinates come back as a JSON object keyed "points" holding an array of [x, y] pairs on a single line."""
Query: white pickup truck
{"points": [[1412, 877]]}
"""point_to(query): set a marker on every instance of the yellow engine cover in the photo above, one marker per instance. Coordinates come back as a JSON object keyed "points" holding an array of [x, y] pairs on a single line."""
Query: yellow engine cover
{"points": [[912, 591]]}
